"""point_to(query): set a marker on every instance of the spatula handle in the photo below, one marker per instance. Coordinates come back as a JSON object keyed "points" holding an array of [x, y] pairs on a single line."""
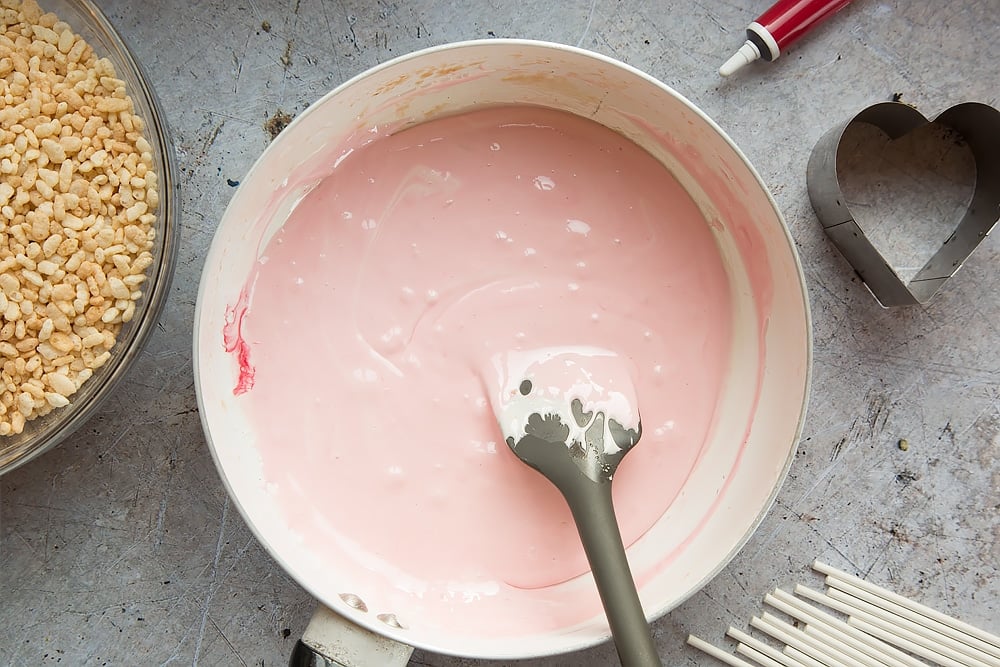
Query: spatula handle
{"points": [[593, 511]]}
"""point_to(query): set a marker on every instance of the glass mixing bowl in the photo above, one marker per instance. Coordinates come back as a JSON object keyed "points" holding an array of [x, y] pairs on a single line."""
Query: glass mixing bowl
{"points": [[44, 433]]}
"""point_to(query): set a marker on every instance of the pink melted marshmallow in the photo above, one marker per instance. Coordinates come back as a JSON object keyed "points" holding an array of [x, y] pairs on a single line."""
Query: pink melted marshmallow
{"points": [[380, 309]]}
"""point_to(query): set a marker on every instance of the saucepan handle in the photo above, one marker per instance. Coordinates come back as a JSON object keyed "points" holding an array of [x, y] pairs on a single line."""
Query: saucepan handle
{"points": [[330, 640]]}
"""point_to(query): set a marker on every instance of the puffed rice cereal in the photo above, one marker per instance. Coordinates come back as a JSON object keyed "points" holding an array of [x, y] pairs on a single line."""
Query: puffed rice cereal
{"points": [[77, 199]]}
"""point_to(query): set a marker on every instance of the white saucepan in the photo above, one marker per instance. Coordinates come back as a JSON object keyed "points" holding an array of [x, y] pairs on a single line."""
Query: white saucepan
{"points": [[760, 409]]}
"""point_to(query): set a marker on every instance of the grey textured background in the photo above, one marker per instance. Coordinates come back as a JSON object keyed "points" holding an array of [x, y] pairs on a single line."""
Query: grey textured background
{"points": [[121, 547]]}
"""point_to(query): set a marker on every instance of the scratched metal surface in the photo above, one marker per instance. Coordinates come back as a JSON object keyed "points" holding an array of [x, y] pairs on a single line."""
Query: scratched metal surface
{"points": [[121, 547]]}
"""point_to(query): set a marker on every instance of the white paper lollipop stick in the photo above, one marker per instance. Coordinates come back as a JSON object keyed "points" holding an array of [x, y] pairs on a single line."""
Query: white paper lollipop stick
{"points": [[793, 652], [717, 653], [845, 644], [985, 637], [769, 651], [916, 633], [731, 659], [879, 623], [942, 655], [754, 654], [904, 643], [835, 630], [857, 616], [828, 653], [992, 653]]}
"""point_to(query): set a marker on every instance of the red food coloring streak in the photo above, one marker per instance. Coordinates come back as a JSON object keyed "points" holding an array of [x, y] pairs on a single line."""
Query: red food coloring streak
{"points": [[233, 341]]}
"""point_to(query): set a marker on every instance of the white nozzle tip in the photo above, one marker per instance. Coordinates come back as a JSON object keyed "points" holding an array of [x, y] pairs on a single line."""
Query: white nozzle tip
{"points": [[746, 55]]}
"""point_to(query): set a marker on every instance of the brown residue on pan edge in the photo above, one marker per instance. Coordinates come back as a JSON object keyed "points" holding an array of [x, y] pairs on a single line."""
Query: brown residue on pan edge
{"points": [[445, 70], [582, 92], [389, 85], [451, 69]]}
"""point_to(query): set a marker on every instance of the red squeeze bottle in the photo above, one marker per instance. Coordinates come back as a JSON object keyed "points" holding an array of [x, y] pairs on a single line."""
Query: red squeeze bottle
{"points": [[777, 28]]}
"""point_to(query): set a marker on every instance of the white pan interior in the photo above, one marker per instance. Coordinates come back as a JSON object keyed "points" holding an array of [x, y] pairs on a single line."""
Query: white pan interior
{"points": [[760, 411]]}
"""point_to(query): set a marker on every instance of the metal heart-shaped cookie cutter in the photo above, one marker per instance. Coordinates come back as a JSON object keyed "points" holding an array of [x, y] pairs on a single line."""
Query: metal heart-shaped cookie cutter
{"points": [[979, 125]]}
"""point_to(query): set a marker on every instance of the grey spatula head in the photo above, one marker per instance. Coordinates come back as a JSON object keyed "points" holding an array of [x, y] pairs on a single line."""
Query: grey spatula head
{"points": [[594, 444], [579, 450]]}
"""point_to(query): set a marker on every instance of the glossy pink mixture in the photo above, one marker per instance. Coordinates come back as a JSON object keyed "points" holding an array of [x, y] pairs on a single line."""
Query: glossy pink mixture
{"points": [[373, 315]]}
